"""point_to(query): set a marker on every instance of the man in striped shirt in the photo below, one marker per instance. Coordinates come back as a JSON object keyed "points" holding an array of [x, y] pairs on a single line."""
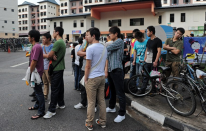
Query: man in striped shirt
{"points": [[116, 75]]}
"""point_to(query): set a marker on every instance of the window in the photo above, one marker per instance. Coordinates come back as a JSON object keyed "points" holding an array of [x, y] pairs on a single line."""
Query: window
{"points": [[90, 1], [19, 10], [44, 20], [41, 7], [160, 19], [82, 23], [32, 9], [54, 14], [22, 16], [165, 1], [23, 21], [12, 10], [13, 29], [2, 26], [37, 21], [62, 4], [85, 1], [55, 24], [44, 26], [61, 24], [136, 22], [22, 10], [19, 28], [5, 9], [182, 17], [205, 16], [172, 17], [41, 26], [49, 5], [85, 9], [66, 11], [41, 13], [33, 27], [44, 6], [74, 11], [65, 4], [54, 7], [186, 1], [80, 3], [92, 23], [23, 28], [114, 22], [109, 0], [25, 9], [175, 2], [25, 15], [19, 16], [26, 21], [44, 13], [48, 12], [26, 28], [96, 1], [197, 0], [100, 0], [41, 20], [12, 22], [13, 34], [73, 3], [38, 15], [62, 11], [80, 10], [75, 23], [6, 33], [19, 22], [5, 21], [38, 27]]}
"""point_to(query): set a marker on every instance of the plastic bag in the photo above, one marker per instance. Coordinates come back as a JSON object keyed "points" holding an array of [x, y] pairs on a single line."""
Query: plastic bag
{"points": [[155, 72]]}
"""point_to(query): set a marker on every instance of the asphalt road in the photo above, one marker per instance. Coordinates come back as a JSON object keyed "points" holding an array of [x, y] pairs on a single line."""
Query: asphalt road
{"points": [[15, 100]]}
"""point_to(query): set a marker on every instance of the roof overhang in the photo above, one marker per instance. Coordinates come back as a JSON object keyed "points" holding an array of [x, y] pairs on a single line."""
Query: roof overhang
{"points": [[96, 10], [67, 16]]}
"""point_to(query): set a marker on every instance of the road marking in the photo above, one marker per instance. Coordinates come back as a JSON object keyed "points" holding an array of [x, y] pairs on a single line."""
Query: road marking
{"points": [[20, 64]]}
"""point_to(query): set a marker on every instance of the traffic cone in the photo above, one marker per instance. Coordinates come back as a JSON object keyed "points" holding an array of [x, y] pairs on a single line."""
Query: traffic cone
{"points": [[9, 50]]}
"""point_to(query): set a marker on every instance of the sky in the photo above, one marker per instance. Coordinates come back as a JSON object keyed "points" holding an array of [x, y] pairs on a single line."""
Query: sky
{"points": [[32, 1]]}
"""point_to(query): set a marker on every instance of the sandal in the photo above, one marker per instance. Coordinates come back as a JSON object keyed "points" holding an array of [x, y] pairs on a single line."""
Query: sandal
{"points": [[33, 108], [36, 116]]}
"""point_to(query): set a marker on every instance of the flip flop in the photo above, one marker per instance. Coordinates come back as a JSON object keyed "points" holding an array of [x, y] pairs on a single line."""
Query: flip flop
{"points": [[32, 108], [36, 116]]}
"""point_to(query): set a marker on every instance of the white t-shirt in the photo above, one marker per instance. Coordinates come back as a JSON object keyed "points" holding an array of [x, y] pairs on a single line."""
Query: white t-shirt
{"points": [[108, 43], [94, 53], [76, 56]]}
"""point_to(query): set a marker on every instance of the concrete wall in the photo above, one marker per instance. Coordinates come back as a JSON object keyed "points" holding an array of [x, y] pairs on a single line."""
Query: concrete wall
{"points": [[10, 17]]}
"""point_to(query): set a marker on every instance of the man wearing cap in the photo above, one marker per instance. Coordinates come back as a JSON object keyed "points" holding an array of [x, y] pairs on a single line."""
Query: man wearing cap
{"points": [[174, 48]]}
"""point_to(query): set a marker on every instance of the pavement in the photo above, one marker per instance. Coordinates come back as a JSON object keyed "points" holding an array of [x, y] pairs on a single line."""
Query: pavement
{"points": [[157, 109], [15, 101]]}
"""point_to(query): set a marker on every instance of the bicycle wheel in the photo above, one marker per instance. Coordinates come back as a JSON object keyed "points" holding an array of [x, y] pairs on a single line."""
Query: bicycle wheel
{"points": [[135, 85], [180, 99]]}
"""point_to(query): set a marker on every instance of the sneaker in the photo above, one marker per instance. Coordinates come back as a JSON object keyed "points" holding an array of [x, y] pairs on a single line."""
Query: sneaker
{"points": [[110, 110], [90, 128], [98, 123], [119, 119], [60, 107], [79, 106], [95, 109], [49, 115]]}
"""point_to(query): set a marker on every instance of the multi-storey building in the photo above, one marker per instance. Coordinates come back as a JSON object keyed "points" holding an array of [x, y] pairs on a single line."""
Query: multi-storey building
{"points": [[32, 16], [131, 15], [8, 19], [181, 2]]}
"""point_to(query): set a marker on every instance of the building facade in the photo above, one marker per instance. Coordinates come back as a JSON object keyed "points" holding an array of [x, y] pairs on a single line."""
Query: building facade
{"points": [[32, 16], [9, 19]]}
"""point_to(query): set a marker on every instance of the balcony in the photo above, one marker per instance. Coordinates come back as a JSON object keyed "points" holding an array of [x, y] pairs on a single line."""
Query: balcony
{"points": [[74, 7]]}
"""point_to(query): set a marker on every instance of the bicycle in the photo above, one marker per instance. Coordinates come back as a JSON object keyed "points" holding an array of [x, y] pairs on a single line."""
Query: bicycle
{"points": [[197, 85], [178, 95]]}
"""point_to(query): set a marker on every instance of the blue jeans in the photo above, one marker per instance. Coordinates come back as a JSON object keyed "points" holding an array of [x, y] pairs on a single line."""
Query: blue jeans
{"points": [[40, 103], [77, 76], [132, 67], [139, 68]]}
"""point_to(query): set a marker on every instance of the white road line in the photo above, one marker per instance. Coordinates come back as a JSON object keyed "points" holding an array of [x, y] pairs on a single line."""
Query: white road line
{"points": [[20, 64]]}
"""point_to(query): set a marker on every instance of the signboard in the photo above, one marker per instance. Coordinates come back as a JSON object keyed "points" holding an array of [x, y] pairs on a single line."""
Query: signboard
{"points": [[193, 28], [76, 31], [200, 27], [194, 45]]}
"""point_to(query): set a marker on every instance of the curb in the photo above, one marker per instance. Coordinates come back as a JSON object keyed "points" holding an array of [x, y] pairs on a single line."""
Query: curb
{"points": [[160, 118]]}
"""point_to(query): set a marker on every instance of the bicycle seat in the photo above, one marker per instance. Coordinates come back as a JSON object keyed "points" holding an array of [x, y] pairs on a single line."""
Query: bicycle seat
{"points": [[195, 65], [164, 68]]}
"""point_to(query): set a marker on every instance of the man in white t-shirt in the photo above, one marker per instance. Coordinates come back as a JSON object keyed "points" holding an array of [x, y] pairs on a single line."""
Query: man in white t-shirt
{"points": [[77, 67], [109, 41], [96, 55]]}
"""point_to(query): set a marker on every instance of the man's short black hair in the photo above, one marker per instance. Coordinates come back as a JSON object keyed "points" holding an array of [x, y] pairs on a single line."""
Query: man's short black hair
{"points": [[115, 29], [95, 31], [182, 30], [122, 36], [47, 35], [60, 30], [35, 34], [83, 35], [80, 40], [75, 44], [151, 29], [192, 35], [107, 35], [135, 30]]}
